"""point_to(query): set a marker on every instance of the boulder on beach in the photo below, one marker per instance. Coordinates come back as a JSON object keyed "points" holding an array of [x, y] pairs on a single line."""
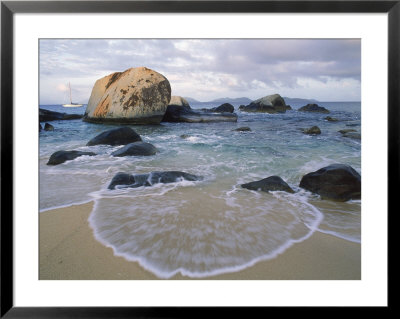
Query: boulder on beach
{"points": [[338, 182], [47, 116], [223, 108], [136, 149], [177, 113], [48, 127], [117, 136], [314, 130], [179, 101], [268, 104], [272, 183], [60, 157], [124, 180], [136, 96], [315, 108]]}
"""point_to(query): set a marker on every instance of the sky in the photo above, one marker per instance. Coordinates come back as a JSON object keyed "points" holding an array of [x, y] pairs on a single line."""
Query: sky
{"points": [[207, 69]]}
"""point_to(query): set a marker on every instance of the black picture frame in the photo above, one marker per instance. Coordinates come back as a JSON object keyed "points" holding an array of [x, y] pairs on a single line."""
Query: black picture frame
{"points": [[9, 8]]}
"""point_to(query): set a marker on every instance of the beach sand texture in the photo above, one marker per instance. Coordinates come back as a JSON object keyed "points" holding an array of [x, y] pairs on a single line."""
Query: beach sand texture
{"points": [[69, 251]]}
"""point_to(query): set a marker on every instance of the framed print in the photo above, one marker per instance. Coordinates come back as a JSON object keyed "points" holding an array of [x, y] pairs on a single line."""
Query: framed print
{"points": [[196, 154]]}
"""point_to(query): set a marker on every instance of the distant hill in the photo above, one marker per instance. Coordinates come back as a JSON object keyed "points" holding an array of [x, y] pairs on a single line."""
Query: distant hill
{"points": [[191, 100], [291, 100], [238, 100]]}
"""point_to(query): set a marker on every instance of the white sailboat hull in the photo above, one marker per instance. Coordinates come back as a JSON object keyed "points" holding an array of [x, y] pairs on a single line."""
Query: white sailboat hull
{"points": [[72, 105]]}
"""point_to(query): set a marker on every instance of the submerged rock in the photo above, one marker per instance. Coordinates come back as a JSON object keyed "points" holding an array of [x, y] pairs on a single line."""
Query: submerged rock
{"points": [[268, 104], [60, 157], [315, 130], [337, 182], [176, 113], [124, 180], [136, 149], [242, 129], [48, 127], [137, 95], [117, 136], [47, 116], [272, 183], [331, 119], [313, 108]]}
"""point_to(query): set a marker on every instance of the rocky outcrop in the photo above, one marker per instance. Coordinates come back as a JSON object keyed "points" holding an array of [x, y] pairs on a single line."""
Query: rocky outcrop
{"points": [[177, 113], [137, 96], [47, 116], [315, 108], [124, 180], [223, 108], [314, 130], [48, 127], [136, 149], [268, 104], [117, 136], [272, 183], [60, 157], [337, 182]]}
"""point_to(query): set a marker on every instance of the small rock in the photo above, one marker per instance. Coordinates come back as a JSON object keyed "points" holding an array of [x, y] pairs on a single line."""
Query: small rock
{"points": [[48, 127], [243, 129], [331, 119], [348, 130], [272, 183], [117, 136], [315, 130], [313, 108], [136, 149], [63, 156]]}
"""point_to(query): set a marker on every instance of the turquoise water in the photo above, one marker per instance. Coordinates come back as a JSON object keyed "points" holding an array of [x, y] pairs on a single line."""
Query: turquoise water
{"points": [[212, 226]]}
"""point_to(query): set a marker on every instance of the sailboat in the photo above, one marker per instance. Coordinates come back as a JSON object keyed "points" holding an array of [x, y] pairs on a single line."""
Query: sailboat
{"points": [[70, 99]]}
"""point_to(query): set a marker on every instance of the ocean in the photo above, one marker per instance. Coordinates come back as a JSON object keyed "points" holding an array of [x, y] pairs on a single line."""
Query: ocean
{"points": [[210, 226]]}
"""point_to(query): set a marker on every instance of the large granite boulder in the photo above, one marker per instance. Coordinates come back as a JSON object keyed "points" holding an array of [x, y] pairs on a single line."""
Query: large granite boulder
{"points": [[179, 101], [337, 182], [268, 104], [314, 108], [117, 136], [137, 96], [60, 157], [272, 183], [47, 116], [124, 180], [136, 149], [176, 113]]}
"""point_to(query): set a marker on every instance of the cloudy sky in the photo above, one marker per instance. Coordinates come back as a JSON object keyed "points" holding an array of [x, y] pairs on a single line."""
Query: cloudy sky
{"points": [[205, 69]]}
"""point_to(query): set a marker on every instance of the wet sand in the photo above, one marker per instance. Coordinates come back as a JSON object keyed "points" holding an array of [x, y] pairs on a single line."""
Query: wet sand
{"points": [[69, 251]]}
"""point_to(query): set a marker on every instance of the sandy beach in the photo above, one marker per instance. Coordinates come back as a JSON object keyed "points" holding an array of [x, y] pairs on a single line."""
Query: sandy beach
{"points": [[69, 251]]}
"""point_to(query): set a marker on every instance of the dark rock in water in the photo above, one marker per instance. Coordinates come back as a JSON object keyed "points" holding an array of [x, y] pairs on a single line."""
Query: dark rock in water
{"points": [[117, 136], [347, 130], [272, 183], [62, 156], [184, 136], [125, 180], [136, 149], [243, 129], [353, 124], [337, 182], [223, 108], [46, 115], [315, 130], [331, 119], [40, 127], [313, 108], [48, 127], [176, 113], [268, 104], [354, 135]]}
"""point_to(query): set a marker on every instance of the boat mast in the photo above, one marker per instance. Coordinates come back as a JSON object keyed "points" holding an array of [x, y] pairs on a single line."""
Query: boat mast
{"points": [[70, 96]]}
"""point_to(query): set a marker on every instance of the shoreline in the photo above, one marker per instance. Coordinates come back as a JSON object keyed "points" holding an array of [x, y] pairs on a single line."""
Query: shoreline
{"points": [[69, 251]]}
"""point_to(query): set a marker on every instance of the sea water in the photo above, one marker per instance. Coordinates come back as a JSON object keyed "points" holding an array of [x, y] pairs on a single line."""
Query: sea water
{"points": [[210, 226]]}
